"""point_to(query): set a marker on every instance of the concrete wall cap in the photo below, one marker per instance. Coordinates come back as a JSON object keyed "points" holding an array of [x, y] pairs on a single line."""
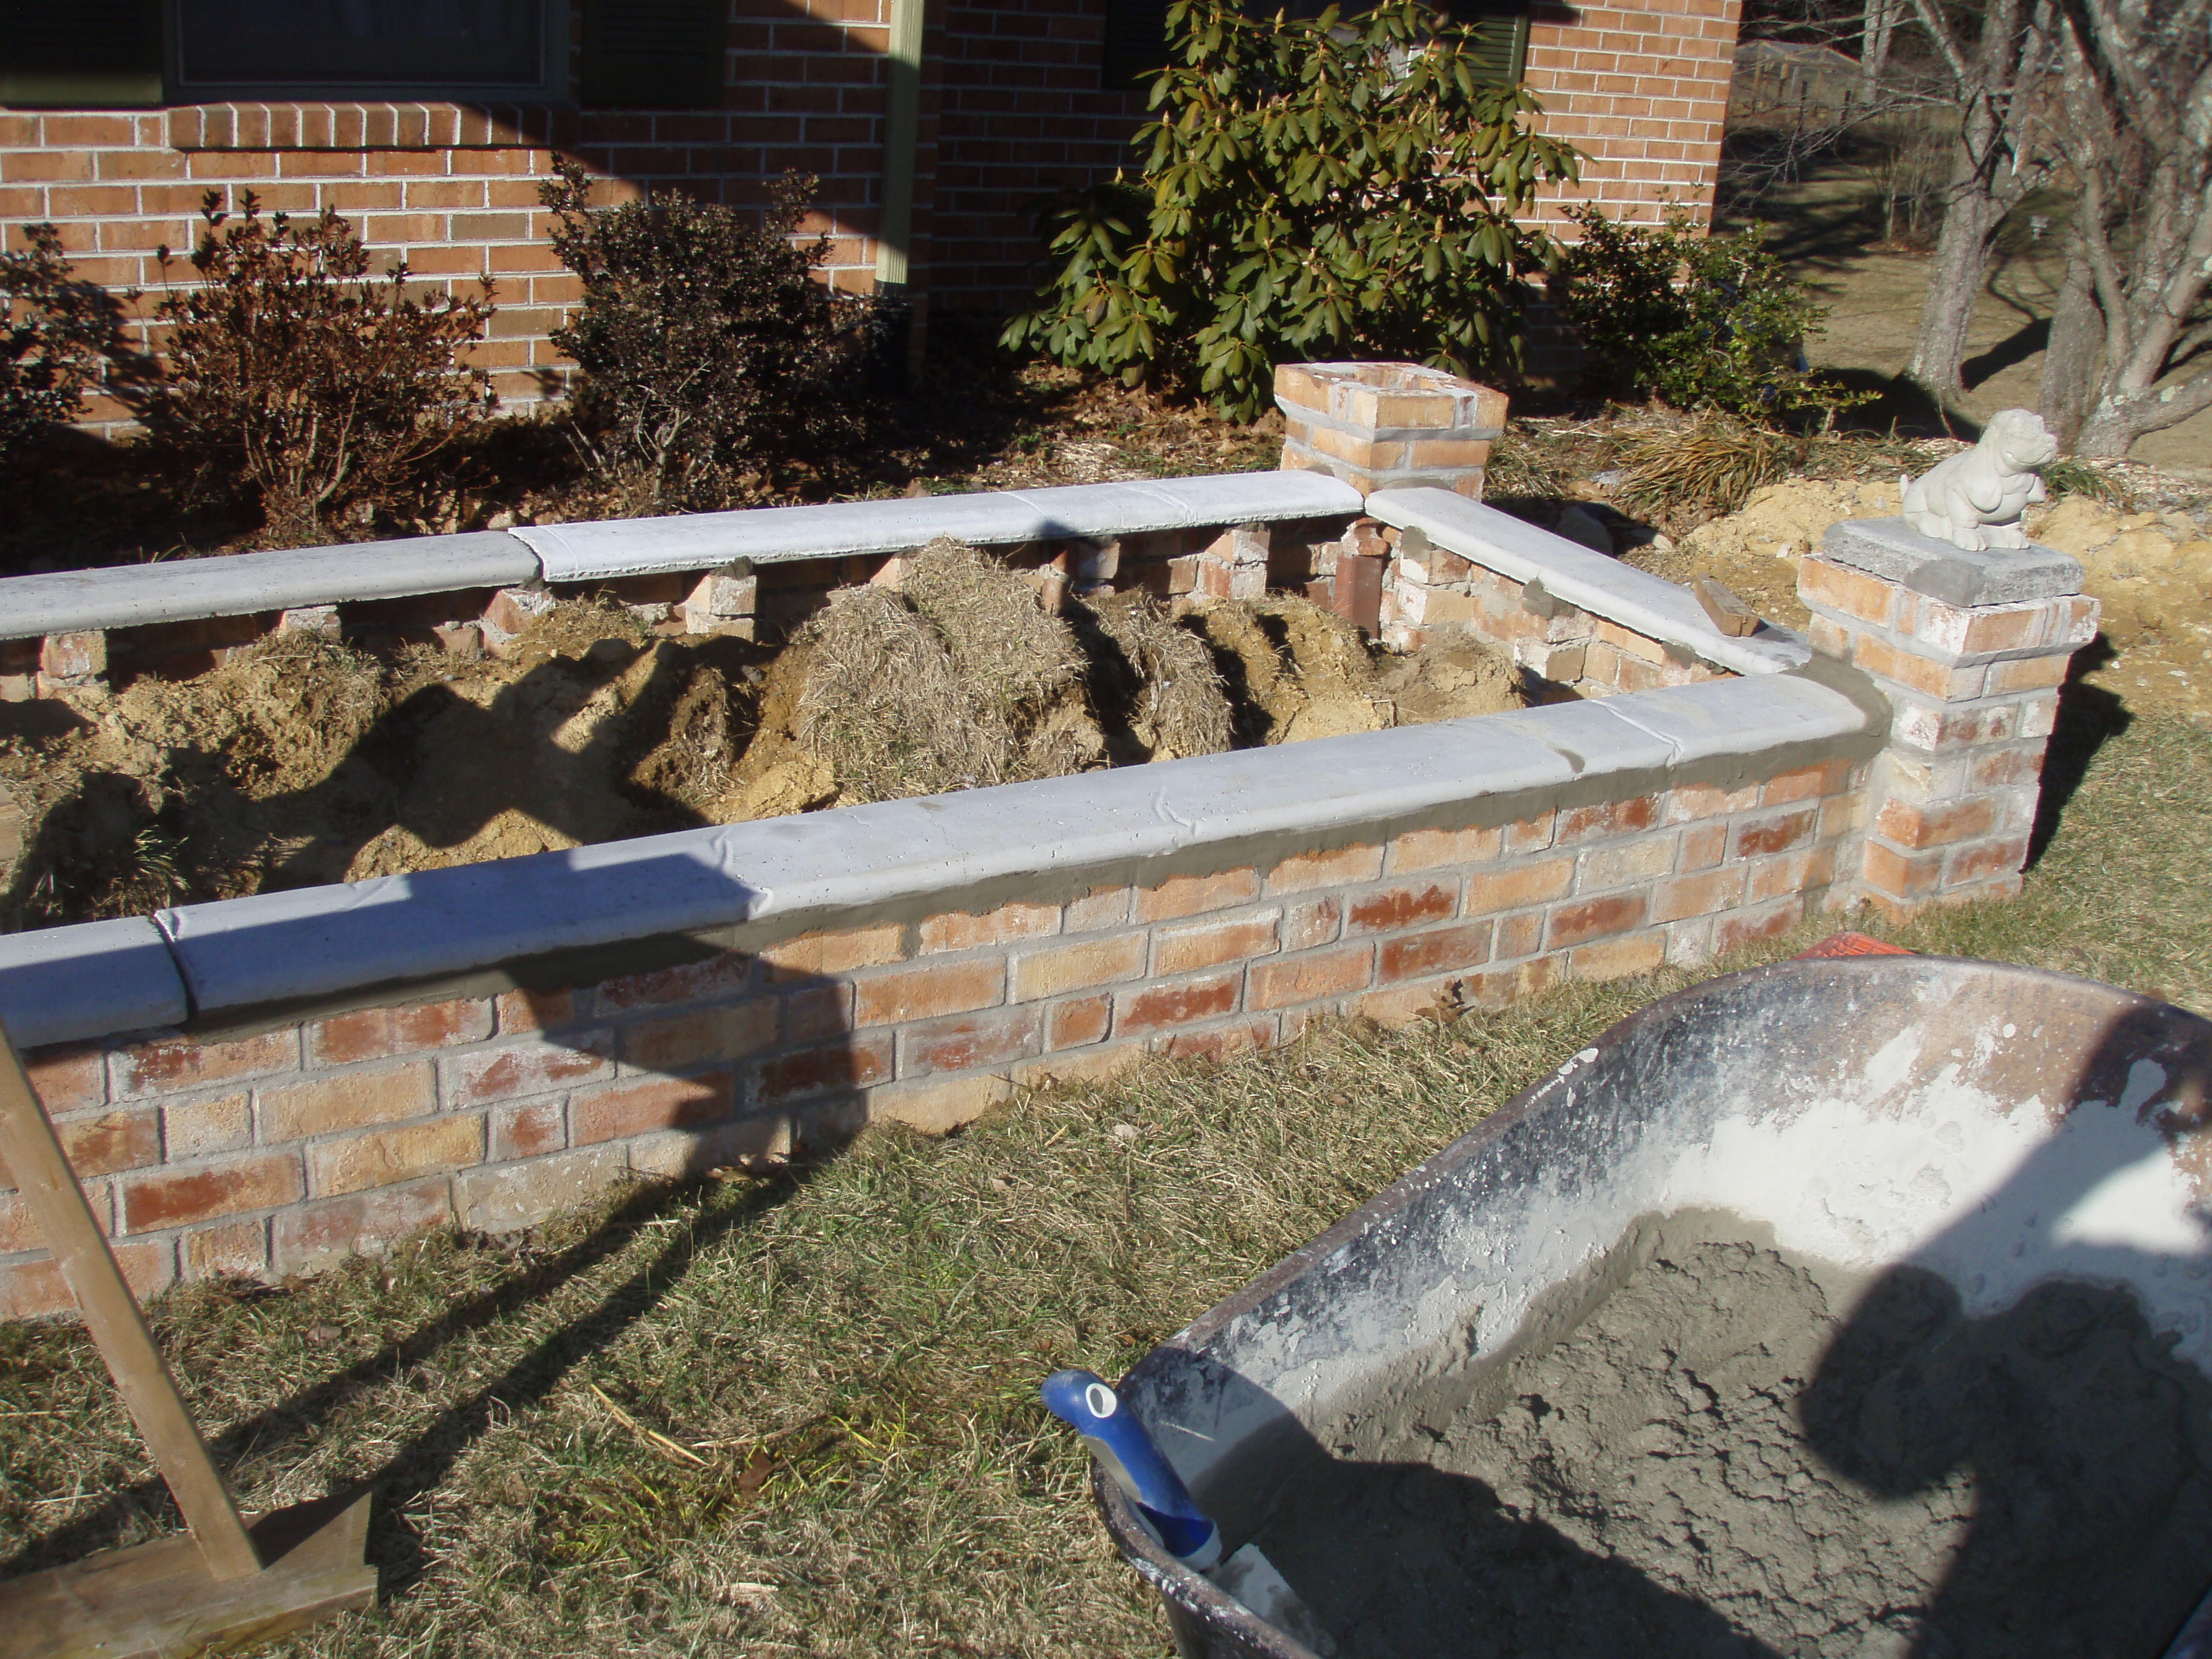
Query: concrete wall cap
{"points": [[241, 584], [318, 941], [1591, 581], [1894, 549], [1592, 736], [635, 547], [64, 984], [1704, 722]]}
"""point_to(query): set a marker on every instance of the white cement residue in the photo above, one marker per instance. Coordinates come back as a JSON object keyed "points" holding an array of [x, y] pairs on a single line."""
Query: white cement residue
{"points": [[1995, 1197]]}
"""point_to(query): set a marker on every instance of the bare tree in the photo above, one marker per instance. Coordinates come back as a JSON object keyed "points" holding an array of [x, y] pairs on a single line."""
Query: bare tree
{"points": [[2135, 130], [2000, 78], [1879, 29]]}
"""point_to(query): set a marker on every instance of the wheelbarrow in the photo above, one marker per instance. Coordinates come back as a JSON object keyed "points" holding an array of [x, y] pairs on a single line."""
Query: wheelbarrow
{"points": [[1991, 1131]]}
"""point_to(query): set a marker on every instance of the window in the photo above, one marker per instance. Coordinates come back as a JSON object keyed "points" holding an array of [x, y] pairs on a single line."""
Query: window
{"points": [[278, 48], [1137, 33], [101, 54], [637, 54]]}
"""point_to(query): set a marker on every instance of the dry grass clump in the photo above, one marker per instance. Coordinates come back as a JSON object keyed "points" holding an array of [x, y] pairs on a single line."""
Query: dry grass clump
{"points": [[1153, 680], [1710, 465], [1525, 466], [958, 681]]}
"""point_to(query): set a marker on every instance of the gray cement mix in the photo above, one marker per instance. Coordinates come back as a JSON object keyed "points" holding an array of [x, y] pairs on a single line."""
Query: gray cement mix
{"points": [[1717, 1449]]}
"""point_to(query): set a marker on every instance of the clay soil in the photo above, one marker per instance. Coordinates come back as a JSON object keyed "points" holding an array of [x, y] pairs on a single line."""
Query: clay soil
{"points": [[2147, 559], [302, 761]]}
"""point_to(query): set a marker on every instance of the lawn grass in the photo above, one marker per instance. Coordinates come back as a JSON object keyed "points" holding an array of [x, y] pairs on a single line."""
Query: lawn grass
{"points": [[797, 1413]]}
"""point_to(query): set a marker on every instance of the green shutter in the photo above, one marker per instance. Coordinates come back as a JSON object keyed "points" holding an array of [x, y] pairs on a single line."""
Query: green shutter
{"points": [[653, 54], [1136, 42], [81, 54], [1501, 44]]}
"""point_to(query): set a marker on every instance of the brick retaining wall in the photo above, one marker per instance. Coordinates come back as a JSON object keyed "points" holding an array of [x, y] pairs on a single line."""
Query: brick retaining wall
{"points": [[274, 1152]]}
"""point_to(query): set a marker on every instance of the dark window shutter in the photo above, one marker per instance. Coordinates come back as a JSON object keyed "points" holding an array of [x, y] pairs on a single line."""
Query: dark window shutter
{"points": [[1136, 43], [653, 54], [79, 54], [1501, 44]]}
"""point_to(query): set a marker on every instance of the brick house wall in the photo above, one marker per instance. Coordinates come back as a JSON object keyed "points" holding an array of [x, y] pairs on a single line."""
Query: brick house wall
{"points": [[1011, 108]]}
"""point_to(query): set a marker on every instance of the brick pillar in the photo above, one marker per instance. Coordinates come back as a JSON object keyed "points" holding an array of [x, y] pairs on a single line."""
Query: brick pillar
{"points": [[1388, 425], [1970, 648]]}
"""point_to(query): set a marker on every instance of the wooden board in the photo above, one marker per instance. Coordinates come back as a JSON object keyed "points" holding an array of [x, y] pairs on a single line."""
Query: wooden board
{"points": [[1728, 613], [32, 1154], [160, 1601]]}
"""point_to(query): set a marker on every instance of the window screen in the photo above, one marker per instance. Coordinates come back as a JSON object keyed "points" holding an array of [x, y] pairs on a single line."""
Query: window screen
{"points": [[95, 54], [388, 44], [653, 54]]}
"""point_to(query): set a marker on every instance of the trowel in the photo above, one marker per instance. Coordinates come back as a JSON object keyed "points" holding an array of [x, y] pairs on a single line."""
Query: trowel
{"points": [[1124, 1448]]}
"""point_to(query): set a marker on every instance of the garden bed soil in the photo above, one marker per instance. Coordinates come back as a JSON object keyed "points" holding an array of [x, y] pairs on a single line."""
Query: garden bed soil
{"points": [[1740, 1452], [301, 760]]}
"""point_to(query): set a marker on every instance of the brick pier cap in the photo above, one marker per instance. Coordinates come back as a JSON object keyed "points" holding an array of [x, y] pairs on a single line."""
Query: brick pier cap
{"points": [[1970, 648]]}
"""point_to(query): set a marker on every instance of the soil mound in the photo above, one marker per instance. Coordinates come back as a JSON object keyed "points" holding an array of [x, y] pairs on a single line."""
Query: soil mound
{"points": [[1296, 672], [957, 680], [1785, 520]]}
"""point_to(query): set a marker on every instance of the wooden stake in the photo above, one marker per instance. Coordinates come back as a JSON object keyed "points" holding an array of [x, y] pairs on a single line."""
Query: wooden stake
{"points": [[34, 1153]]}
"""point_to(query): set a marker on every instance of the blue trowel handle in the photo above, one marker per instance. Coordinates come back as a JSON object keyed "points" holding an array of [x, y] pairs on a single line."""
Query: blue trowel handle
{"points": [[1086, 1403]]}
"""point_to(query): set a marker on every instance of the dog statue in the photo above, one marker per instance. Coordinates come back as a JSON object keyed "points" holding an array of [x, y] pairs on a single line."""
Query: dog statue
{"points": [[1974, 500]]}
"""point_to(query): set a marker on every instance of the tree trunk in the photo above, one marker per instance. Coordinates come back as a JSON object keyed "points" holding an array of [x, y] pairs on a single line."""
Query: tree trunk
{"points": [[2121, 417], [2070, 360], [1873, 48], [1955, 282]]}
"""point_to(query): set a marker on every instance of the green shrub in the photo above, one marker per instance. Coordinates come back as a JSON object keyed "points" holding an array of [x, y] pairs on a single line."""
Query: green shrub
{"points": [[56, 333], [293, 372], [1703, 322], [1318, 188], [706, 343]]}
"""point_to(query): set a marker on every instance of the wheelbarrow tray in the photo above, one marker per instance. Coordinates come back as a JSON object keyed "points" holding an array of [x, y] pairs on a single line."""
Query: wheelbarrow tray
{"points": [[1997, 1125]]}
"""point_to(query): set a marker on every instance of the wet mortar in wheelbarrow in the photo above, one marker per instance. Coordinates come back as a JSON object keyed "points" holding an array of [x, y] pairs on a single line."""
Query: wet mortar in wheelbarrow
{"points": [[1839, 1308]]}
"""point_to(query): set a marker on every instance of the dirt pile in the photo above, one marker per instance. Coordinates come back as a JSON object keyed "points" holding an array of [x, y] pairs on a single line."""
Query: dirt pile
{"points": [[1297, 672], [2150, 572], [1784, 519], [957, 680], [300, 761], [1715, 1462]]}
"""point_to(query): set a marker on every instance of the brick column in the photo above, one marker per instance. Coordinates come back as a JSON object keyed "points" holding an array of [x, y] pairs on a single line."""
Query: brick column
{"points": [[1388, 425], [1970, 648]]}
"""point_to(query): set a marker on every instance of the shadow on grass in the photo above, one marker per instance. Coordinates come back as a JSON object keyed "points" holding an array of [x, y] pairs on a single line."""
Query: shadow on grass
{"points": [[2088, 717], [424, 1462], [1900, 408], [2025, 341]]}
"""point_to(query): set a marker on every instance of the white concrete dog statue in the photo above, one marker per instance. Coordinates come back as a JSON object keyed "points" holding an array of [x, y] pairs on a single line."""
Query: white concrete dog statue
{"points": [[1974, 500]]}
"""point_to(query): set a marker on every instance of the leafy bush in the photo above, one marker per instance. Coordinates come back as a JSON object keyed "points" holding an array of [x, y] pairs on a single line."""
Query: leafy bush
{"points": [[54, 334], [1326, 187], [1703, 322], [293, 371], [705, 341]]}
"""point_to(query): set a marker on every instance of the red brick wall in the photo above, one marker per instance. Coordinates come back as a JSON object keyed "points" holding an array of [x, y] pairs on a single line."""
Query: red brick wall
{"points": [[1021, 114], [273, 1153], [1641, 87]]}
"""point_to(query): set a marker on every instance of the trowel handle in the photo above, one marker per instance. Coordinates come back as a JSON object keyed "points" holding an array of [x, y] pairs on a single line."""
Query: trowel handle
{"points": [[1124, 1448]]}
